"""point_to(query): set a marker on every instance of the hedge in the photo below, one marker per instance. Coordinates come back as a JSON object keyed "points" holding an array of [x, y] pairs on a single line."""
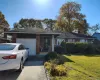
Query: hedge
{"points": [[83, 48]]}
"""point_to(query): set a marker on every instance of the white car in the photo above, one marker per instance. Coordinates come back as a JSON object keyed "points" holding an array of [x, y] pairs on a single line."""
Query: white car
{"points": [[12, 56]]}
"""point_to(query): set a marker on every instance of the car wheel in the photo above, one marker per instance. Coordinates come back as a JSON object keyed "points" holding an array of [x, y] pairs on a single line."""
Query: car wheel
{"points": [[21, 66]]}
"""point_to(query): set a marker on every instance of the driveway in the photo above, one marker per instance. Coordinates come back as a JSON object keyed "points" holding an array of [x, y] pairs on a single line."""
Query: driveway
{"points": [[33, 70]]}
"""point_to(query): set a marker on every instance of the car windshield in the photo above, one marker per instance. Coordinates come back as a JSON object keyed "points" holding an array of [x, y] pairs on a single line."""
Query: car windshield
{"points": [[7, 47]]}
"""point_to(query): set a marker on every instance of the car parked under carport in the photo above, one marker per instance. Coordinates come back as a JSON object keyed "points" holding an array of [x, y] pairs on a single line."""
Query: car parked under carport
{"points": [[36, 39]]}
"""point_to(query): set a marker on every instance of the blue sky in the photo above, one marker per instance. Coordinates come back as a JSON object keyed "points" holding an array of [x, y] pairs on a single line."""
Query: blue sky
{"points": [[14, 10]]}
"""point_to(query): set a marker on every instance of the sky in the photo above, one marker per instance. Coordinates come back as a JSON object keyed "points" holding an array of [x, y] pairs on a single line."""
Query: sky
{"points": [[14, 10]]}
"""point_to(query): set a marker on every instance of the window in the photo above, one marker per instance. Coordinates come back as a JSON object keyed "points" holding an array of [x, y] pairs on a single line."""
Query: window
{"points": [[7, 47], [21, 47]]}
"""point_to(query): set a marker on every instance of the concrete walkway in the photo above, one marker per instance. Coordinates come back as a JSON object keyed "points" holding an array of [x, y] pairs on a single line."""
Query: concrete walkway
{"points": [[33, 70]]}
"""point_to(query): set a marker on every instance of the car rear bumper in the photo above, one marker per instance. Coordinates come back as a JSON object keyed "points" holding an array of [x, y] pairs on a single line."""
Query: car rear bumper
{"points": [[11, 64]]}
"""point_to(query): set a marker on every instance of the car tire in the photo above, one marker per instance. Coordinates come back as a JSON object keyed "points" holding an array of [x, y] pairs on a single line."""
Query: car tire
{"points": [[21, 66]]}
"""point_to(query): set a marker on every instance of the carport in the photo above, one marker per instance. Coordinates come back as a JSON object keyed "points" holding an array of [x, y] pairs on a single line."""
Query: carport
{"points": [[36, 39]]}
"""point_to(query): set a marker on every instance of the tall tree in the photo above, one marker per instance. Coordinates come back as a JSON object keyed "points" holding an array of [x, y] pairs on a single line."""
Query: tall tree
{"points": [[3, 23], [95, 28], [49, 23], [17, 26], [69, 16], [82, 26], [28, 23]]}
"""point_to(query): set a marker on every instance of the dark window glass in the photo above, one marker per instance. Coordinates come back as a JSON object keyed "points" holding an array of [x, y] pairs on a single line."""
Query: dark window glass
{"points": [[7, 47], [21, 47]]}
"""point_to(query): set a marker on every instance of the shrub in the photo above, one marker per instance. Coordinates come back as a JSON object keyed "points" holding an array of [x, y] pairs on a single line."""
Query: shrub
{"points": [[50, 56], [59, 49], [47, 65], [54, 61], [58, 70], [91, 49], [98, 49], [80, 47], [83, 48], [70, 47]]}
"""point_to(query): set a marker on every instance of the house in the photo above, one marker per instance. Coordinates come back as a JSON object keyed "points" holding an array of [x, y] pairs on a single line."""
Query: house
{"points": [[74, 37], [3, 37], [4, 40], [36, 39], [97, 36]]}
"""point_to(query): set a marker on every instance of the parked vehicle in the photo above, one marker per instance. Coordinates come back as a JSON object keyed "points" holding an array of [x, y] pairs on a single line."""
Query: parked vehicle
{"points": [[12, 56]]}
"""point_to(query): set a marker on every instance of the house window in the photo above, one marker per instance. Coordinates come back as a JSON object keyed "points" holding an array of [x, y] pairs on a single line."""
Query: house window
{"points": [[82, 40], [70, 40]]}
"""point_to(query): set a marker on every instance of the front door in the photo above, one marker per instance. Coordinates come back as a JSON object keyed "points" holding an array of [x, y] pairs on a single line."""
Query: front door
{"points": [[45, 44]]}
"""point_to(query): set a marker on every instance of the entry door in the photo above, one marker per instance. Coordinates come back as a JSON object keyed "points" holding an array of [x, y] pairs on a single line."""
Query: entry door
{"points": [[29, 43]]}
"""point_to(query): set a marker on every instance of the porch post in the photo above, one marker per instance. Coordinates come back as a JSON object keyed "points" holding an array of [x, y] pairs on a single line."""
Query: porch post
{"points": [[38, 43], [14, 36], [52, 42]]}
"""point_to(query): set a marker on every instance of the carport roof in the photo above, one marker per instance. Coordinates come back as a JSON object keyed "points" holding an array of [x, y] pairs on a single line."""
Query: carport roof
{"points": [[33, 31]]}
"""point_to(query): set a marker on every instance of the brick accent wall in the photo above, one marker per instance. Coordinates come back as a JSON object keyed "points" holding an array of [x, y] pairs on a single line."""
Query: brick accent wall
{"points": [[37, 43], [14, 36]]}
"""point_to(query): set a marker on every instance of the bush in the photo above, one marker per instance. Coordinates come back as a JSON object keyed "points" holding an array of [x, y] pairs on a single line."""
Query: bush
{"points": [[70, 47], [83, 48], [51, 56], [47, 65], [80, 47], [58, 70], [59, 49]]}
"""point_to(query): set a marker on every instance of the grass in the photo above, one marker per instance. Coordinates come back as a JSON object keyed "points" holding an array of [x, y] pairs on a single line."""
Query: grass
{"points": [[82, 68]]}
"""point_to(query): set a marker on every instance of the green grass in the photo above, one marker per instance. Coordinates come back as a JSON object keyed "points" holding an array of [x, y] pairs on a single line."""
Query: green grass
{"points": [[82, 68]]}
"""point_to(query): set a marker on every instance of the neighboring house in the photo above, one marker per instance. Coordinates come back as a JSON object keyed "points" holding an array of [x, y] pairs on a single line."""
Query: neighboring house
{"points": [[97, 36], [74, 37], [4, 40], [3, 37], [36, 39]]}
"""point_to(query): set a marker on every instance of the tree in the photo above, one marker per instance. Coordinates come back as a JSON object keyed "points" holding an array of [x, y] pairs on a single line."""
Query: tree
{"points": [[49, 23], [82, 26], [69, 16], [17, 26], [3, 23], [28, 23], [95, 28]]}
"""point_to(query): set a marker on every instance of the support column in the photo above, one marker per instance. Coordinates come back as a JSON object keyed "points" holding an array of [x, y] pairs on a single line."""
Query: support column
{"points": [[14, 36], [38, 43], [53, 43], [5, 35]]}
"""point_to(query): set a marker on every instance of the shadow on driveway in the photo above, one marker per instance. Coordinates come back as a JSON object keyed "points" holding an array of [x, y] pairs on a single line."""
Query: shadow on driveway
{"points": [[33, 70], [9, 75]]}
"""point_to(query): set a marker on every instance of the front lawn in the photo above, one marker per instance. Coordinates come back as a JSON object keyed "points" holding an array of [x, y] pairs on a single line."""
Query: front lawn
{"points": [[81, 68]]}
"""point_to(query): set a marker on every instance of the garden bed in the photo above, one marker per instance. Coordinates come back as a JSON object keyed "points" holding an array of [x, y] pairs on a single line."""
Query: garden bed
{"points": [[74, 67]]}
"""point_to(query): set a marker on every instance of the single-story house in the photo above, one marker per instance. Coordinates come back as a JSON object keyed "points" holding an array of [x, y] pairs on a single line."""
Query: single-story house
{"points": [[36, 39], [97, 36], [40, 40], [4, 40], [74, 37]]}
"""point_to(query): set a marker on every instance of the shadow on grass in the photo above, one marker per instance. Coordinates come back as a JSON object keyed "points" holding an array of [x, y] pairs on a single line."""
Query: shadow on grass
{"points": [[88, 55], [64, 59], [93, 55]]}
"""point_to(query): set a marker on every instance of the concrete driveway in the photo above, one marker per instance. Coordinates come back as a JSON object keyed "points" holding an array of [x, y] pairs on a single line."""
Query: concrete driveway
{"points": [[33, 70]]}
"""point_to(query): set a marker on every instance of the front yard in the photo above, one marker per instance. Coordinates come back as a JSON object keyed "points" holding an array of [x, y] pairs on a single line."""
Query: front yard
{"points": [[81, 68]]}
